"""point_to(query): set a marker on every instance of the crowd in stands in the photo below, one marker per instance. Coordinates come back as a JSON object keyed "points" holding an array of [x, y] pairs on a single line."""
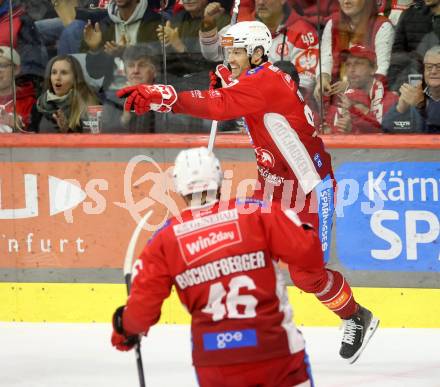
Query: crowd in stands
{"points": [[364, 66]]}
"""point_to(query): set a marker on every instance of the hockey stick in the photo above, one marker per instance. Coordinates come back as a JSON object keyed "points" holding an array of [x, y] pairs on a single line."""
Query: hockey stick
{"points": [[128, 267], [14, 90], [214, 124], [163, 5]]}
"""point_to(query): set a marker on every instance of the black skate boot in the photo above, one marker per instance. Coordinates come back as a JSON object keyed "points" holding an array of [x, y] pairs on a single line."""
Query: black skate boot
{"points": [[358, 330]]}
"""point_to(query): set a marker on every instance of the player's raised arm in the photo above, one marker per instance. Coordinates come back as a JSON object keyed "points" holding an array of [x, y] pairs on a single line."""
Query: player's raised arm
{"points": [[247, 46]]}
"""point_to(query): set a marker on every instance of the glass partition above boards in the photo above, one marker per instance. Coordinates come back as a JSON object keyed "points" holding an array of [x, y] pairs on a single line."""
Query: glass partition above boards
{"points": [[94, 66]]}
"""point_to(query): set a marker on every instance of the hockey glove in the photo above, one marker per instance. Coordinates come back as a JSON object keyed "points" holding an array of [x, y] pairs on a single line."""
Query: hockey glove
{"points": [[221, 78], [121, 339], [214, 81], [143, 98]]}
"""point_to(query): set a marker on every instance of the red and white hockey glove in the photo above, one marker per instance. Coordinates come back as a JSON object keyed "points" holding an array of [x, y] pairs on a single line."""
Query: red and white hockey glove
{"points": [[221, 78], [214, 81], [121, 339], [143, 98]]}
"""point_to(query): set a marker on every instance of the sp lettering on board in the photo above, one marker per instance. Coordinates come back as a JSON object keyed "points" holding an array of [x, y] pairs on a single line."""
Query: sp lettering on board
{"points": [[388, 216]]}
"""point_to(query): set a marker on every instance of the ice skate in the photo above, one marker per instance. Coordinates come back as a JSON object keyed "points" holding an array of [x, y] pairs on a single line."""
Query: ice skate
{"points": [[358, 330]]}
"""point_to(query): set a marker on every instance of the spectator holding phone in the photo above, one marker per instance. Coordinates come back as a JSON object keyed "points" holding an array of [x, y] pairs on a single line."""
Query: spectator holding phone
{"points": [[24, 94], [418, 108], [417, 31]]}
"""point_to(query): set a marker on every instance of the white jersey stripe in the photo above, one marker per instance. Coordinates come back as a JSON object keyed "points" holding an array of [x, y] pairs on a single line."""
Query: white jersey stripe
{"points": [[293, 150]]}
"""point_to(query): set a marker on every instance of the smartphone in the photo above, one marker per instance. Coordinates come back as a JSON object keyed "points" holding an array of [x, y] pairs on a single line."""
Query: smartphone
{"points": [[415, 79]]}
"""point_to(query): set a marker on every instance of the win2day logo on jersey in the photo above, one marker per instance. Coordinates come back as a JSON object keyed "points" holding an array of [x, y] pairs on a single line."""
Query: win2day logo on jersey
{"points": [[388, 216], [196, 245]]}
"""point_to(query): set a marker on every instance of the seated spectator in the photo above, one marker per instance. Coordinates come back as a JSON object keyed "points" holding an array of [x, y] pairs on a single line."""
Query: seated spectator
{"points": [[24, 94], [185, 62], [294, 39], [357, 23], [407, 53], [361, 107], [140, 67], [62, 108], [26, 40], [418, 108], [128, 22]]}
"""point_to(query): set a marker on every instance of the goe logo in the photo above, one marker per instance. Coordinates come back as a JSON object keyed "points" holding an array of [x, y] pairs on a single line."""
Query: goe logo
{"points": [[215, 341], [224, 338]]}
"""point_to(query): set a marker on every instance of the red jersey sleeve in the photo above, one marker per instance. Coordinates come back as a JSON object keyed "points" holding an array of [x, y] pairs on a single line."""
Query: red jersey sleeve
{"points": [[151, 286], [240, 99], [290, 240]]}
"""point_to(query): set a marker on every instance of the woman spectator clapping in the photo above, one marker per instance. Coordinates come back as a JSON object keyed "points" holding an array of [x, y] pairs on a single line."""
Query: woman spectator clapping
{"points": [[356, 23], [62, 108]]}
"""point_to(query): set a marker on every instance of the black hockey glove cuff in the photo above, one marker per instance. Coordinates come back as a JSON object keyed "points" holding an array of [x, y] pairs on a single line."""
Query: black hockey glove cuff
{"points": [[120, 338]]}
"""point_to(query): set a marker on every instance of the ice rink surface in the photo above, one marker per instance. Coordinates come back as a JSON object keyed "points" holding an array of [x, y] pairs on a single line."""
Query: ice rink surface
{"points": [[80, 355]]}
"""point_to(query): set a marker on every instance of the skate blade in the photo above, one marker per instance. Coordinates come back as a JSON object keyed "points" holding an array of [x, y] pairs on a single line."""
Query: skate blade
{"points": [[370, 332]]}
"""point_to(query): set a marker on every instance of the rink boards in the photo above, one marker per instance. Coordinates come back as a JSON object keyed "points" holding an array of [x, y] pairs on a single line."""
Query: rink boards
{"points": [[69, 208], [56, 302]]}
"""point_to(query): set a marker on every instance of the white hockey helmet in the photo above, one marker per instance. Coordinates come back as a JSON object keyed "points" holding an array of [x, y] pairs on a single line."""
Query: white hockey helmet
{"points": [[248, 35], [196, 170]]}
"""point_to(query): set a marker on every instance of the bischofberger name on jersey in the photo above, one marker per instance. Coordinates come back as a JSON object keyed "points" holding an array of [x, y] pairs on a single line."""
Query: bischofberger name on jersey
{"points": [[205, 221], [221, 267]]}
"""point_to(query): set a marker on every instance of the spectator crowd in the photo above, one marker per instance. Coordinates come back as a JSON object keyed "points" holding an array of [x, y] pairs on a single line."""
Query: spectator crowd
{"points": [[364, 66]]}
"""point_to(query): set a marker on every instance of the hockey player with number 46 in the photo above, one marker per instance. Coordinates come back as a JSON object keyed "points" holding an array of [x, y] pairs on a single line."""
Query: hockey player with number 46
{"points": [[221, 262], [222, 259], [294, 168]]}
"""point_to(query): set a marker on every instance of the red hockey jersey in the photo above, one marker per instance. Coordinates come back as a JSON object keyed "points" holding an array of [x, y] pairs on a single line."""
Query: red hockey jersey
{"points": [[221, 260], [280, 124]]}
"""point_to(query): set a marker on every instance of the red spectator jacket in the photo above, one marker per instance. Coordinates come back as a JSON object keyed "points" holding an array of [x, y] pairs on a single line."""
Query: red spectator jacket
{"points": [[25, 99], [221, 261], [378, 100], [289, 153], [16, 25]]}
